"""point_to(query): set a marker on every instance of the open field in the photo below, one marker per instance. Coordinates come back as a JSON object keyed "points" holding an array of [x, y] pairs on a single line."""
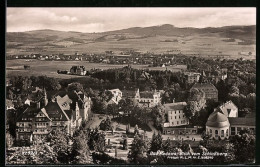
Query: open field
{"points": [[49, 68], [157, 39]]}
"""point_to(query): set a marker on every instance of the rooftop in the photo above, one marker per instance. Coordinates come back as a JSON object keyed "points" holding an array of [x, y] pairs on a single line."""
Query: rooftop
{"points": [[217, 120], [175, 106], [203, 86], [242, 121]]}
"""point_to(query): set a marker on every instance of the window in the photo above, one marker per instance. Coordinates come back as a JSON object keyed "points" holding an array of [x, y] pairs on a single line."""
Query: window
{"points": [[227, 132], [238, 129], [175, 117], [222, 133], [177, 122], [233, 130], [210, 131], [216, 133], [179, 116]]}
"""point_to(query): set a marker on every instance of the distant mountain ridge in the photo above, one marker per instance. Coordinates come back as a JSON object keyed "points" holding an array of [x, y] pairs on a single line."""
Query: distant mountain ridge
{"points": [[47, 39]]}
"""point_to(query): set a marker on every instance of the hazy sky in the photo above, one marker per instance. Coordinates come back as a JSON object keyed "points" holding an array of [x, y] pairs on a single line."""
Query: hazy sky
{"points": [[106, 19]]}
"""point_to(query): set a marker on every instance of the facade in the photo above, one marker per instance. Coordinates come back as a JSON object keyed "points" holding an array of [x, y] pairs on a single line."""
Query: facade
{"points": [[117, 96], [148, 98], [209, 89], [224, 122], [61, 112], [175, 114], [192, 77]]}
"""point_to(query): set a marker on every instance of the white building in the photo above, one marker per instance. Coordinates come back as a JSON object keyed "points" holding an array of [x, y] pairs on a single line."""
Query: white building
{"points": [[117, 96], [224, 122], [192, 77], [148, 98], [176, 116]]}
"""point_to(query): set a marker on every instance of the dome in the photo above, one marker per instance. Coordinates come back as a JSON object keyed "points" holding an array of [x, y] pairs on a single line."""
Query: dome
{"points": [[217, 120]]}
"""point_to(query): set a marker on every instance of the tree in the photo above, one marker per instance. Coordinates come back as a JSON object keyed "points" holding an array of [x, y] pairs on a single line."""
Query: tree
{"points": [[97, 140], [106, 124], [125, 144], [234, 90], [80, 149], [136, 131], [167, 146], [112, 109], [9, 140], [75, 86], [59, 141], [54, 84], [244, 145], [156, 143], [138, 151]]}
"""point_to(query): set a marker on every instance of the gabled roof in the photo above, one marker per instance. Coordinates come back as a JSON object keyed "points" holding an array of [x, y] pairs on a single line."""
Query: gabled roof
{"points": [[55, 112], [226, 108]]}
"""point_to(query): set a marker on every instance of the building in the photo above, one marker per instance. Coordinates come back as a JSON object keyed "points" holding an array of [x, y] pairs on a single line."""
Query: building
{"points": [[64, 112], [175, 114], [78, 70], [192, 77], [209, 89], [224, 122], [117, 96], [148, 98]]}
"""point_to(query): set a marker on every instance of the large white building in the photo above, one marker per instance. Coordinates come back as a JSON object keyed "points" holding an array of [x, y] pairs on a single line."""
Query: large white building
{"points": [[148, 98], [224, 122], [175, 114]]}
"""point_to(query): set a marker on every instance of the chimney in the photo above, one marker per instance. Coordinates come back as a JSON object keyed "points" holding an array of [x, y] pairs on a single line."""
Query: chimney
{"points": [[38, 105]]}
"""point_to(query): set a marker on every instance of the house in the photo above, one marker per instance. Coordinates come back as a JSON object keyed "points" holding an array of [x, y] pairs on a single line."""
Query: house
{"points": [[175, 114], [66, 110], [192, 77], [224, 122], [148, 98], [78, 70], [209, 89], [117, 96]]}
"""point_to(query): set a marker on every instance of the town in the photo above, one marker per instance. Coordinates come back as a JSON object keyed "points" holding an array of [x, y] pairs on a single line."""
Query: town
{"points": [[125, 115]]}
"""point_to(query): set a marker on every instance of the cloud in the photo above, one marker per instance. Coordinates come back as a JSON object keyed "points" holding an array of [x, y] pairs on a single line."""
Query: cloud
{"points": [[107, 19]]}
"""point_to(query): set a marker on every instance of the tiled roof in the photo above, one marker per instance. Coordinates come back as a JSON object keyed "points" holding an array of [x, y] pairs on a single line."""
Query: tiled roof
{"points": [[29, 112], [217, 120], [55, 112], [175, 106], [242, 121]]}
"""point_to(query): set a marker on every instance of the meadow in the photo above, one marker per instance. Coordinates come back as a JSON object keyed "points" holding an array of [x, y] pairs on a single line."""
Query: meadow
{"points": [[49, 68]]}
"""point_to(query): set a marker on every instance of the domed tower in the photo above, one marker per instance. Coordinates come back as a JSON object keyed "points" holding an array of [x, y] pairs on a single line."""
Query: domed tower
{"points": [[217, 126]]}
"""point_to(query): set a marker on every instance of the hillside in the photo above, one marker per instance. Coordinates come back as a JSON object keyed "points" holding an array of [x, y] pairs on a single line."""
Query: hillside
{"points": [[228, 40]]}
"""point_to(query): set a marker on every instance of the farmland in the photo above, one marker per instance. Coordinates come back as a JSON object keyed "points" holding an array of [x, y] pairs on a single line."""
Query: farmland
{"points": [[49, 68], [157, 39]]}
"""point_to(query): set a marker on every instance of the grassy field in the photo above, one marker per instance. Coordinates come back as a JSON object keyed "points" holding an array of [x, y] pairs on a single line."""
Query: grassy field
{"points": [[49, 68]]}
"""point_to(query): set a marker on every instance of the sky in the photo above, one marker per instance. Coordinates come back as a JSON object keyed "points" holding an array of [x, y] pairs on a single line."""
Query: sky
{"points": [[108, 19]]}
